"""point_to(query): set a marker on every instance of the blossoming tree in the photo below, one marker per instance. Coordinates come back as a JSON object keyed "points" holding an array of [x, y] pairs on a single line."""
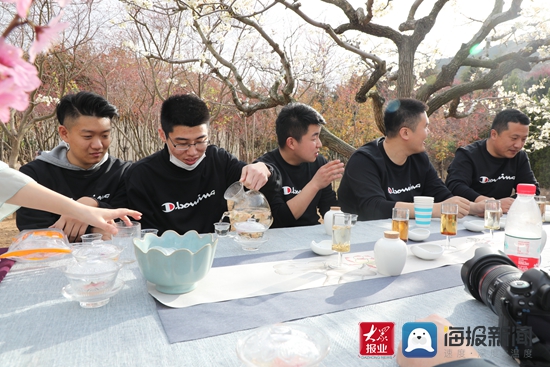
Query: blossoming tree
{"points": [[238, 40]]}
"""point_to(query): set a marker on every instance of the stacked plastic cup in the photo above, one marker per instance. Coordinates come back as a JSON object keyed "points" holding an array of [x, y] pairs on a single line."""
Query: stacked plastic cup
{"points": [[423, 207]]}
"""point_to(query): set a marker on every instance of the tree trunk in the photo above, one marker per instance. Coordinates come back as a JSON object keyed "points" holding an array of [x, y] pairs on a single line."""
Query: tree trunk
{"points": [[13, 159], [335, 144], [405, 77]]}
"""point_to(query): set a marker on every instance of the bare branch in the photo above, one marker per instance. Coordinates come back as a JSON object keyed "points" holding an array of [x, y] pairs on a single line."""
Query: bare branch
{"points": [[410, 23], [448, 72], [379, 71]]}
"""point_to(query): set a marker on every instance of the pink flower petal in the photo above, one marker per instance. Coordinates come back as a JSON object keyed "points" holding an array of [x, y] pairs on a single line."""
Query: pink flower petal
{"points": [[45, 35], [62, 3], [17, 78]]}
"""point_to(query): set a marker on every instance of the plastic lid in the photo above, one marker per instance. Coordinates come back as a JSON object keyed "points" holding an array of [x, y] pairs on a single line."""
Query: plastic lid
{"points": [[335, 208], [284, 345], [91, 267], [99, 249], [391, 234], [526, 189]]}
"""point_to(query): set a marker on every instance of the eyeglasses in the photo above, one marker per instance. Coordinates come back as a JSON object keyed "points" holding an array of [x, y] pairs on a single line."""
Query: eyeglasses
{"points": [[200, 145]]}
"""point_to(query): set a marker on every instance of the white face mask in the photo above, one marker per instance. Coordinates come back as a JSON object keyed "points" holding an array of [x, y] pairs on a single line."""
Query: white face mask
{"points": [[187, 167]]}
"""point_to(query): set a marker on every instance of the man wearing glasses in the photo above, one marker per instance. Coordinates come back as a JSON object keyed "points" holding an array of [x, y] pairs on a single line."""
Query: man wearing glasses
{"points": [[181, 187]]}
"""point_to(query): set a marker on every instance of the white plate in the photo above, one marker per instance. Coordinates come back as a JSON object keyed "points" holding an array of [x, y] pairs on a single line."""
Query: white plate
{"points": [[427, 251], [418, 234], [474, 225], [322, 248]]}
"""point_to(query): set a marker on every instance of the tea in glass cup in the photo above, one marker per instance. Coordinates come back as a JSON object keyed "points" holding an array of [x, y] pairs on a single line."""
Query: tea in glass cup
{"points": [[400, 222], [449, 218], [341, 236]]}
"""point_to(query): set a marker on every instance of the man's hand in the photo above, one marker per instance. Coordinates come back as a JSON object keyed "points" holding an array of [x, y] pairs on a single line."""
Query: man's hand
{"points": [[72, 227], [463, 206], [331, 171], [478, 208], [254, 176], [505, 204]]}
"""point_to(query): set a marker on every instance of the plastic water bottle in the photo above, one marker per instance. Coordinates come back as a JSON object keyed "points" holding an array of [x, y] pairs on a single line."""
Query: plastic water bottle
{"points": [[522, 241]]}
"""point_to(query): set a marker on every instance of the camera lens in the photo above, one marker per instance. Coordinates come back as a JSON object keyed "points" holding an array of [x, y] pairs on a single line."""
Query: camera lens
{"points": [[495, 284], [487, 276]]}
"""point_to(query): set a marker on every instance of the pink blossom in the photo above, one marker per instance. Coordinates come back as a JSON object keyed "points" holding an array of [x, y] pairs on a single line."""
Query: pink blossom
{"points": [[62, 3], [17, 79], [45, 35], [22, 6]]}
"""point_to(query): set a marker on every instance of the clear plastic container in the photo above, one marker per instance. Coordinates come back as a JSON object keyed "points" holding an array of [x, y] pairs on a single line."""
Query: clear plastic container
{"points": [[283, 345], [522, 241]]}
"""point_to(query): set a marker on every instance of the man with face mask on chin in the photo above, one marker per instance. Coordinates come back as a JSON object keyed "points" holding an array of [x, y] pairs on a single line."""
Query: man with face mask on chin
{"points": [[181, 187]]}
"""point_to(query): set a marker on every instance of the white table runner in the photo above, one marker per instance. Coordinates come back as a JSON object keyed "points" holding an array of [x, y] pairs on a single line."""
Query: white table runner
{"points": [[252, 280]]}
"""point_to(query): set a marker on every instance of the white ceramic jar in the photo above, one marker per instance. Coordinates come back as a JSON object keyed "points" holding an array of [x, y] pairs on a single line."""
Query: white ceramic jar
{"points": [[327, 219], [390, 254]]}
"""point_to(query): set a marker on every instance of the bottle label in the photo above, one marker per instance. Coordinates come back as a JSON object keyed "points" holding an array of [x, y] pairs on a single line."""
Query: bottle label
{"points": [[524, 252], [524, 263]]}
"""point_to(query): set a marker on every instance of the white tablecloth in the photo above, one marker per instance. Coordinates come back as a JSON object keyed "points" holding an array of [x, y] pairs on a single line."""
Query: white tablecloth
{"points": [[38, 327]]}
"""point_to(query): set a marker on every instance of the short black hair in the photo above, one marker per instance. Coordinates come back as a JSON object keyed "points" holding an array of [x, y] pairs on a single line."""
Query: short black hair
{"points": [[403, 112], [294, 120], [183, 109], [73, 106], [500, 123]]}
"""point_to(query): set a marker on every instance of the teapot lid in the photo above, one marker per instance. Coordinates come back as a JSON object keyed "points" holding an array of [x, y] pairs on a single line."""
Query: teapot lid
{"points": [[250, 226]]}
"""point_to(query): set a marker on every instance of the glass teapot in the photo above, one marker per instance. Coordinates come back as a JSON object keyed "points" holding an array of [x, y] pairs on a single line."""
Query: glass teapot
{"points": [[243, 205]]}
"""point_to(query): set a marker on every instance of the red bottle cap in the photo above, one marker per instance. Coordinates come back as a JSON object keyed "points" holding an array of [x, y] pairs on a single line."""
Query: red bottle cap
{"points": [[526, 189]]}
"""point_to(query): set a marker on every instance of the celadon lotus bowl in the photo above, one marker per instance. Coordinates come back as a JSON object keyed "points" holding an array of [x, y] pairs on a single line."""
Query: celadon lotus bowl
{"points": [[175, 263]]}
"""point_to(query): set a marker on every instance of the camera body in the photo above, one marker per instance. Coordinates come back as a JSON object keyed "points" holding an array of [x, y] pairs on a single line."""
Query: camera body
{"points": [[525, 306], [520, 300]]}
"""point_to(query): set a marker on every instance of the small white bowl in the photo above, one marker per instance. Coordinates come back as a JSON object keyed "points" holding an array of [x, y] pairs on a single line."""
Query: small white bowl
{"points": [[322, 248], [474, 225], [427, 251], [418, 234]]}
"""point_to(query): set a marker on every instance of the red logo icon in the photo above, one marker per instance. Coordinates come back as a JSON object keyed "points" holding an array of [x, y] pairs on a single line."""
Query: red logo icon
{"points": [[376, 338]]}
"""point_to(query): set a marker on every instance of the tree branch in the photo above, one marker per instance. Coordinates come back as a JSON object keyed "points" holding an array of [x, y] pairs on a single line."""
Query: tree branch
{"points": [[446, 76]]}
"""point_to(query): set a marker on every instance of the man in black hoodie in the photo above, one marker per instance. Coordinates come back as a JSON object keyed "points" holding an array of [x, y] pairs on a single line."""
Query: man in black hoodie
{"points": [[493, 167], [182, 187], [79, 167], [306, 175], [390, 171]]}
